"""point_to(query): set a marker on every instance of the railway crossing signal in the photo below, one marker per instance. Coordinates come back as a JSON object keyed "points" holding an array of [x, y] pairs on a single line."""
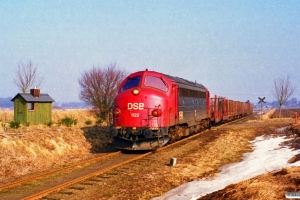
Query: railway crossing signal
{"points": [[261, 100]]}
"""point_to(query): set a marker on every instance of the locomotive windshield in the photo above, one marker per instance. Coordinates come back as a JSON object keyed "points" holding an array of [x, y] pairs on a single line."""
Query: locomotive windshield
{"points": [[131, 82], [155, 82]]}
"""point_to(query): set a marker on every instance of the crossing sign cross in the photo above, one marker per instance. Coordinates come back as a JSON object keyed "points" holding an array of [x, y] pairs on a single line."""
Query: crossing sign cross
{"points": [[261, 100]]}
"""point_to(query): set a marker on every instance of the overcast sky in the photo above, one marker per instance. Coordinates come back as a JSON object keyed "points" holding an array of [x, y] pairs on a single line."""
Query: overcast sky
{"points": [[234, 48]]}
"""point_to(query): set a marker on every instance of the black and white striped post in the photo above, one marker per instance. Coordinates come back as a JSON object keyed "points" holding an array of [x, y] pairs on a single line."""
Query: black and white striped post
{"points": [[261, 100]]}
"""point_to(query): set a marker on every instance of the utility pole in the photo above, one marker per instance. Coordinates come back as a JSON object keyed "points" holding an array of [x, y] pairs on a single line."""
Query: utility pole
{"points": [[261, 100]]}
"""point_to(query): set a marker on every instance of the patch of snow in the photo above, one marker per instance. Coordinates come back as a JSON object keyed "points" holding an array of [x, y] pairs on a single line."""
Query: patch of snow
{"points": [[267, 156]]}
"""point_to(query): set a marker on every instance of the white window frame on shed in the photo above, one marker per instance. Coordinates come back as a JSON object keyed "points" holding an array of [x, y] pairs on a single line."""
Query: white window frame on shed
{"points": [[31, 106]]}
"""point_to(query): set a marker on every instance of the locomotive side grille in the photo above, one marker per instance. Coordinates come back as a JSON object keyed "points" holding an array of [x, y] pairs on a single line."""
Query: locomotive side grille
{"points": [[191, 93]]}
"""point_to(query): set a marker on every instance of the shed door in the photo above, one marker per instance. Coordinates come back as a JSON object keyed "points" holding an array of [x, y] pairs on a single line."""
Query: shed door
{"points": [[20, 115]]}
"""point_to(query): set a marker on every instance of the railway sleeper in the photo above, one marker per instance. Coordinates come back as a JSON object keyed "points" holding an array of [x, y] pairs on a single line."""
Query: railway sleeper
{"points": [[103, 176], [112, 173], [66, 192], [95, 180], [86, 183], [76, 188]]}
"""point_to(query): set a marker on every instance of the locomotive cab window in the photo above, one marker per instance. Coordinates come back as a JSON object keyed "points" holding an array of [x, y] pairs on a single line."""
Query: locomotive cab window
{"points": [[155, 82], [131, 83]]}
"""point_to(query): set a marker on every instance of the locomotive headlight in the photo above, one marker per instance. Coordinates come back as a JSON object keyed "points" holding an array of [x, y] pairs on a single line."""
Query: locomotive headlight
{"points": [[117, 112], [135, 91], [156, 112]]}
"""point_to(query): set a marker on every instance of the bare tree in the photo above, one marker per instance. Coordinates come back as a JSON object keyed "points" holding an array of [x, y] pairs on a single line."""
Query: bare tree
{"points": [[283, 90], [98, 87], [27, 77]]}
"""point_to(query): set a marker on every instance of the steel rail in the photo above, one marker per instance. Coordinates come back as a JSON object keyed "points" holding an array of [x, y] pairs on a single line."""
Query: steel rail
{"points": [[57, 188], [236, 120], [197, 134], [182, 140], [16, 183]]}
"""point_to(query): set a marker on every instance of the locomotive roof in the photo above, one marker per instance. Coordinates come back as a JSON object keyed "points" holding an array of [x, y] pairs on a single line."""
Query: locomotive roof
{"points": [[183, 83]]}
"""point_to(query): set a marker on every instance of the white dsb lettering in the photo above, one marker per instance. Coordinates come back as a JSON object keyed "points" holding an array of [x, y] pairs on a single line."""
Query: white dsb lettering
{"points": [[135, 106]]}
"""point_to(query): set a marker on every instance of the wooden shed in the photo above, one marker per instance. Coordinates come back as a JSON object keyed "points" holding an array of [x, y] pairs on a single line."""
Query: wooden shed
{"points": [[32, 108]]}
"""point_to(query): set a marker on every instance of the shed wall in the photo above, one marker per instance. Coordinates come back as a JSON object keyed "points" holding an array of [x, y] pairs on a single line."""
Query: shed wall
{"points": [[20, 110], [41, 114]]}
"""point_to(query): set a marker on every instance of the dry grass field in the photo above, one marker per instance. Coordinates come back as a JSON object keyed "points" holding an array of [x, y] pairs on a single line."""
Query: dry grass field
{"points": [[30, 149]]}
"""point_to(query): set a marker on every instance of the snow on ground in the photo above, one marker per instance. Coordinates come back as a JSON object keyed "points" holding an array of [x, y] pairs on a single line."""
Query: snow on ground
{"points": [[267, 156]]}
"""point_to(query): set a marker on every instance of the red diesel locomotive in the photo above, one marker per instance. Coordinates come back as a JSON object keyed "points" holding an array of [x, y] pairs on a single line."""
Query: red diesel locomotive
{"points": [[152, 109]]}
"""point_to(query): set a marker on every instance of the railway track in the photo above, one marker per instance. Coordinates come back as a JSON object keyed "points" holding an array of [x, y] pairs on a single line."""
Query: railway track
{"points": [[99, 173], [45, 183], [92, 172], [33, 178], [127, 158]]}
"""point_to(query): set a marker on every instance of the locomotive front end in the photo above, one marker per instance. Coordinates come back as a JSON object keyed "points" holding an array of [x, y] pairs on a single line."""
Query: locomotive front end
{"points": [[140, 115]]}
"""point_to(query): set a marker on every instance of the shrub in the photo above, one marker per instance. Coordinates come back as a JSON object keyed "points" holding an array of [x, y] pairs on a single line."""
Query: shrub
{"points": [[99, 121], [68, 121], [49, 124], [88, 122], [14, 124]]}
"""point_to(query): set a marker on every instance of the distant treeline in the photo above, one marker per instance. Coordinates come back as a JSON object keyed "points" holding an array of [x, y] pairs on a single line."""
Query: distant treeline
{"points": [[6, 102], [70, 105], [292, 103]]}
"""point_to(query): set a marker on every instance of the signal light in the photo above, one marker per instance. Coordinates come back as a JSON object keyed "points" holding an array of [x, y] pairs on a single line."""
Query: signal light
{"points": [[117, 112], [156, 112], [135, 91]]}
